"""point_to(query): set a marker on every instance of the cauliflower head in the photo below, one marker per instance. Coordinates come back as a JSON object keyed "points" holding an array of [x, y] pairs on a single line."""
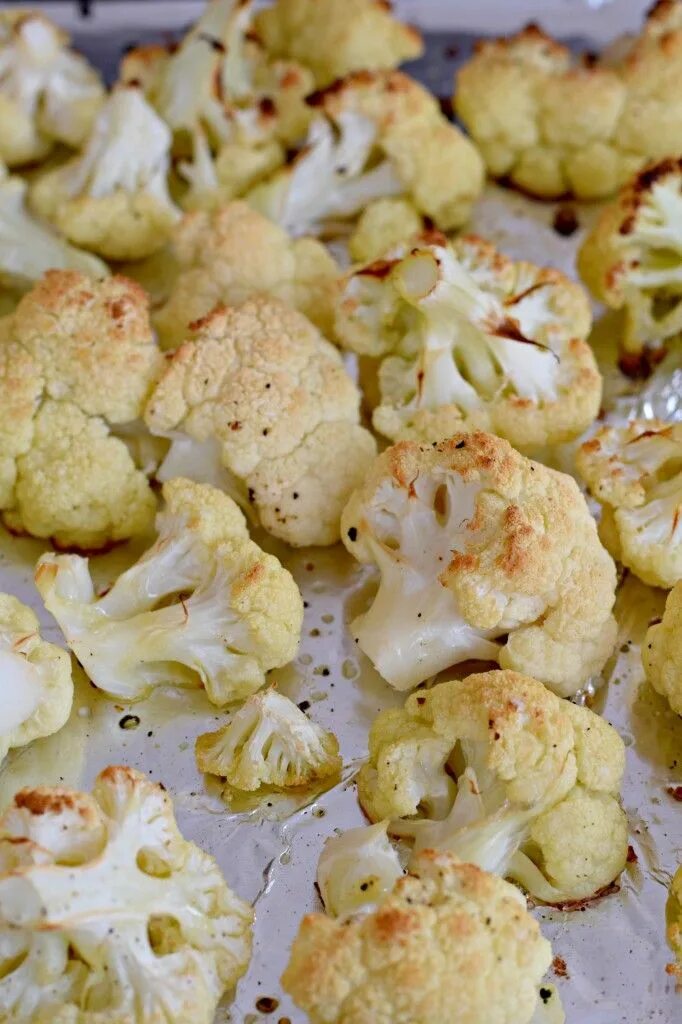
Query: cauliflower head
{"points": [[673, 913], [235, 253], [113, 197], [108, 913], [553, 125], [269, 742], [49, 94], [446, 927], [36, 678], [536, 783], [259, 403], [662, 651], [77, 357], [204, 606], [632, 258], [357, 868], [376, 135], [337, 37], [482, 554], [464, 337], [634, 471]]}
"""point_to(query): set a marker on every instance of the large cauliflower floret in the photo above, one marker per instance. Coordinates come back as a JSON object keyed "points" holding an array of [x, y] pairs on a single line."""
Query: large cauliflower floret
{"points": [[259, 403], [37, 689], [376, 135], [446, 928], [552, 125], [77, 357], [113, 197], [235, 253], [482, 554], [537, 783], [632, 258], [108, 913], [634, 471], [269, 742], [204, 606], [357, 868], [337, 37], [48, 93], [465, 337], [673, 913], [662, 651]]}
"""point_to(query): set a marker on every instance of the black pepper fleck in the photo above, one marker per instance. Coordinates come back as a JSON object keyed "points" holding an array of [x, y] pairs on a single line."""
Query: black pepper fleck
{"points": [[352, 534]]}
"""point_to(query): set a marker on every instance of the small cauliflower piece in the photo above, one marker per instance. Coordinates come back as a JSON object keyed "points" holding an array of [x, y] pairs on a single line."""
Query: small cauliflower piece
{"points": [[662, 651], [463, 336], [383, 225], [447, 930], [482, 554], [37, 688], [634, 472], [537, 783], [552, 125], [113, 197], [235, 253], [204, 606], [357, 868], [49, 94], [260, 404], [673, 914], [269, 742], [337, 37], [108, 913], [376, 135], [632, 257]]}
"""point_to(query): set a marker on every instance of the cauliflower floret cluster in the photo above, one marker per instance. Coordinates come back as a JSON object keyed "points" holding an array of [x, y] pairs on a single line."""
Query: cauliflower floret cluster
{"points": [[673, 913], [113, 197], [632, 258], [462, 336], [376, 135], [108, 913], [49, 94], [537, 783], [357, 868], [235, 253], [384, 225], [37, 688], [77, 357], [446, 928], [204, 606], [552, 125], [634, 472], [269, 742], [260, 404], [662, 651], [482, 554]]}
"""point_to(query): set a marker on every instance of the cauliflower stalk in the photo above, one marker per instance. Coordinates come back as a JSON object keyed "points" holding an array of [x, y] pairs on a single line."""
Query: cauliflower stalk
{"points": [[269, 742], [36, 678], [634, 471], [465, 337], [482, 554], [537, 783], [357, 869], [203, 606], [106, 911], [662, 651]]}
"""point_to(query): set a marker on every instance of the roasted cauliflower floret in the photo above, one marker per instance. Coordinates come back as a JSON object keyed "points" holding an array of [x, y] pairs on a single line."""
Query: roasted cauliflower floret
{"points": [[673, 913], [269, 742], [662, 651], [336, 37], [447, 927], [382, 226], [632, 258], [376, 135], [634, 471], [463, 336], [108, 913], [113, 197], [482, 554], [537, 783], [357, 868], [204, 606], [258, 402], [552, 125], [235, 253], [77, 358], [49, 94], [37, 687]]}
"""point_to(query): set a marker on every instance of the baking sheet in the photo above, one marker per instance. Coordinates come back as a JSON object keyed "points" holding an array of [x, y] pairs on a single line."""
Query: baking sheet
{"points": [[614, 950]]}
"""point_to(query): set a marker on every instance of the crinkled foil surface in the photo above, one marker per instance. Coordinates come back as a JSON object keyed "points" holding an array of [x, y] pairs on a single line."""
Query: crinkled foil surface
{"points": [[614, 950]]}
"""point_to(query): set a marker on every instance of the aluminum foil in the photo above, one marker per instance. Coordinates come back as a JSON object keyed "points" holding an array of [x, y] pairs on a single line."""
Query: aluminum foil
{"points": [[610, 957]]}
